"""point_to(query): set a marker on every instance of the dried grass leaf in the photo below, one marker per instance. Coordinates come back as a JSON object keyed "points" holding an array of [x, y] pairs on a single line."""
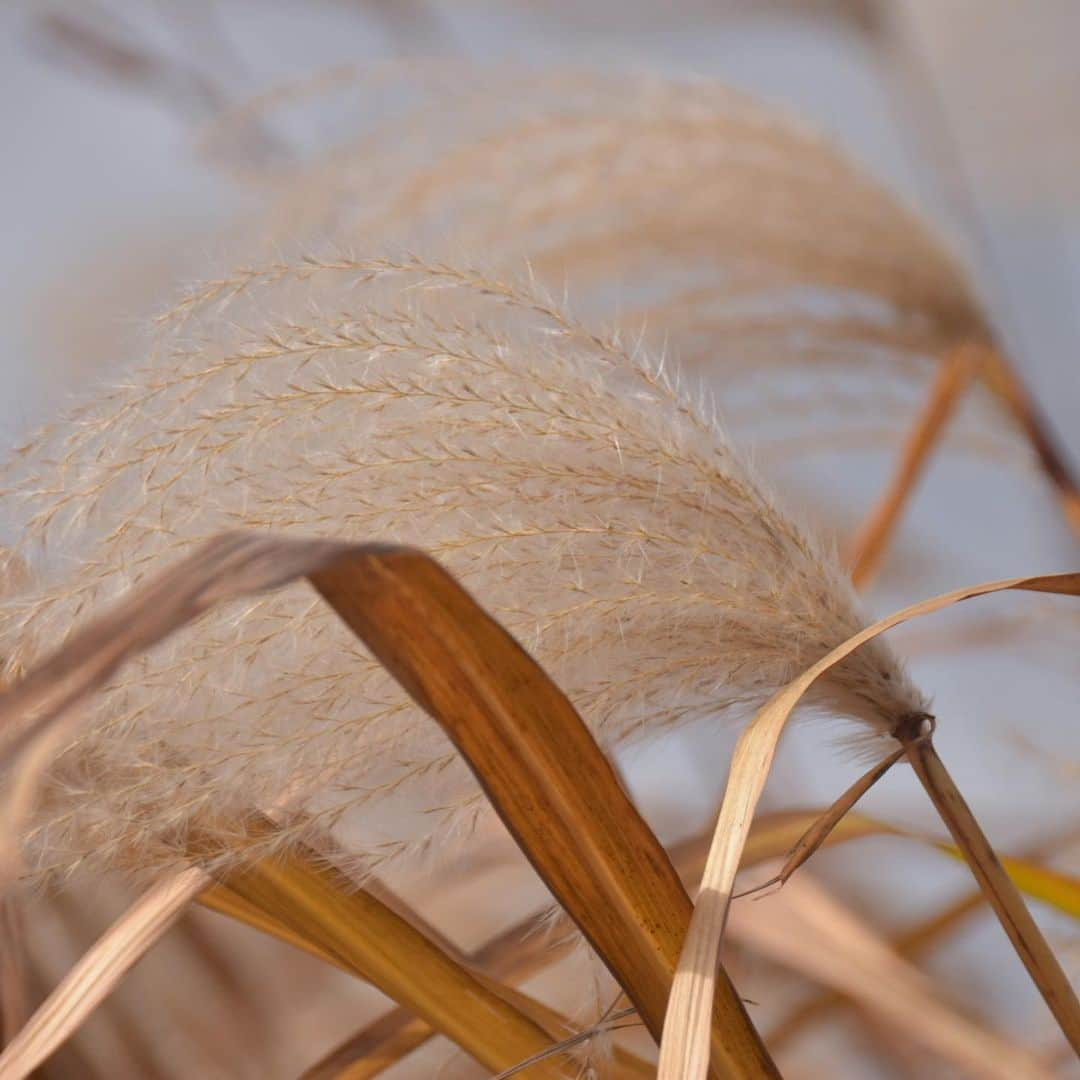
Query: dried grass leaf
{"points": [[545, 775], [356, 929], [684, 1053]]}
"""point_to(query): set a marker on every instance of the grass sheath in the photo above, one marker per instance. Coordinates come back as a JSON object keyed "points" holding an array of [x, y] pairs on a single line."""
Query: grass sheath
{"points": [[1026, 937]]}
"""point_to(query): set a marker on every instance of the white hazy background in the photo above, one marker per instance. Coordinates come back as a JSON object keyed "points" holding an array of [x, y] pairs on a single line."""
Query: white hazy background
{"points": [[106, 205]]}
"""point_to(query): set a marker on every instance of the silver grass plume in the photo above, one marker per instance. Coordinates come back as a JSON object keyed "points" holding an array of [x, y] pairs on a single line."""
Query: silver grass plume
{"points": [[749, 247], [572, 485]]}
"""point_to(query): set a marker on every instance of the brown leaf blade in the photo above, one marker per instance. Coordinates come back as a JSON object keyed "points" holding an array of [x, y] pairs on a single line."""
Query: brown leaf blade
{"points": [[545, 775], [392, 930]]}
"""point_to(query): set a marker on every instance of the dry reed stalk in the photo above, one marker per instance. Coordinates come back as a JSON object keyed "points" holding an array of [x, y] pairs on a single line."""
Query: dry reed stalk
{"points": [[998, 887], [684, 1052]]}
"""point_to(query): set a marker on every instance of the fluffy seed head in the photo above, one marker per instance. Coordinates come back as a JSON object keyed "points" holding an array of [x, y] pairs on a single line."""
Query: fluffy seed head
{"points": [[579, 493], [751, 249]]}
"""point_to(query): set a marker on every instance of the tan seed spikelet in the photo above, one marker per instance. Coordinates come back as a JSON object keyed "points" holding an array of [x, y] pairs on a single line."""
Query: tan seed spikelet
{"points": [[581, 496]]}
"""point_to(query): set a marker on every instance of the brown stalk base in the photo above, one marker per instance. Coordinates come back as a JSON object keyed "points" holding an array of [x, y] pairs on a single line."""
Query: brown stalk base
{"points": [[998, 887]]}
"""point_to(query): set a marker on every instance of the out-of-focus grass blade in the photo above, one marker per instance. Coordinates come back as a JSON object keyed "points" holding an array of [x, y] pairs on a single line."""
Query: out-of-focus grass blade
{"points": [[396, 1035], [684, 1051], [525, 949], [909, 944], [1061, 891], [319, 906], [382, 1044], [776, 834], [385, 1043], [521, 951], [544, 773], [804, 928], [955, 372], [96, 974]]}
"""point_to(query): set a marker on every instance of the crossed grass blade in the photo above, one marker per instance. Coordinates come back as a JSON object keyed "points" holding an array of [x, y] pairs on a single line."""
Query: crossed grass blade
{"points": [[684, 1053]]}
